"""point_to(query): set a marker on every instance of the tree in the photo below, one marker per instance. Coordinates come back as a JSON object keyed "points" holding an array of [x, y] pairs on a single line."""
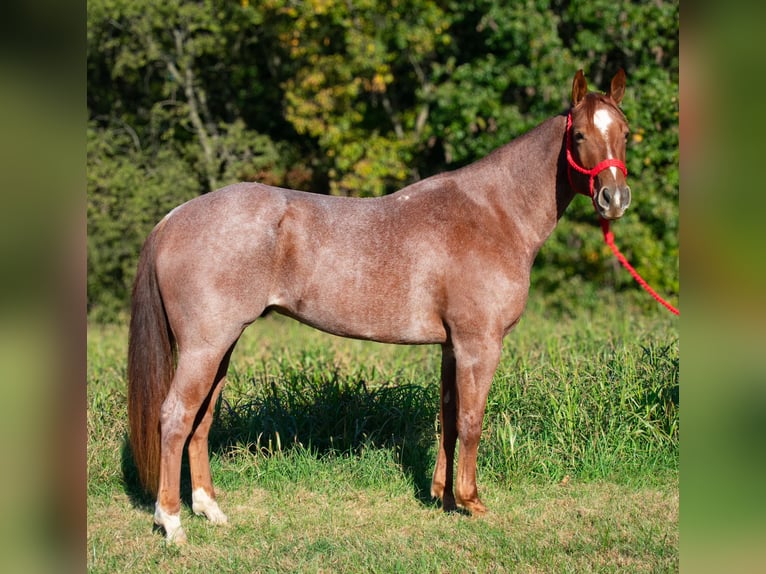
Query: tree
{"points": [[361, 98], [156, 136]]}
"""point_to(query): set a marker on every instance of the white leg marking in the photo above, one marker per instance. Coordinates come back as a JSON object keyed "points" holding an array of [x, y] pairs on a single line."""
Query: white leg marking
{"points": [[203, 504], [602, 119], [171, 523]]}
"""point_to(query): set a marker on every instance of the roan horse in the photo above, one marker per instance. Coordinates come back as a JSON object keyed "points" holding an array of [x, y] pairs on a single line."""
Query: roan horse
{"points": [[443, 261]]}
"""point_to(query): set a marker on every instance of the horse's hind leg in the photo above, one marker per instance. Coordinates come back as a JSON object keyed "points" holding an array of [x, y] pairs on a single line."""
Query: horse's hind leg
{"points": [[441, 485], [203, 493], [192, 383]]}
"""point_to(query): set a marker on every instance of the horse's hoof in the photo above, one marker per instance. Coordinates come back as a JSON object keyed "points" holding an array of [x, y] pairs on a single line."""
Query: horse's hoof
{"points": [[219, 518], [202, 504], [174, 533], [176, 537], [475, 506], [448, 504]]}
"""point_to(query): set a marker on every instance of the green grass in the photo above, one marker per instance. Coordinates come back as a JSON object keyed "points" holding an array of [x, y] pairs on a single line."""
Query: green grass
{"points": [[323, 448]]}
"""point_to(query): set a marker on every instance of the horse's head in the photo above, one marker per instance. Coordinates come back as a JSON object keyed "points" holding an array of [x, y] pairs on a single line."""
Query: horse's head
{"points": [[596, 142]]}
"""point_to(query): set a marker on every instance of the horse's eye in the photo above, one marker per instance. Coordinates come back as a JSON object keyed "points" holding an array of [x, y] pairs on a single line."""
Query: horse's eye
{"points": [[579, 136], [627, 135]]}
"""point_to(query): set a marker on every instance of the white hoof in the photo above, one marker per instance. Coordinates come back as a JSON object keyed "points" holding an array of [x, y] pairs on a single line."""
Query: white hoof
{"points": [[203, 504], [174, 534]]}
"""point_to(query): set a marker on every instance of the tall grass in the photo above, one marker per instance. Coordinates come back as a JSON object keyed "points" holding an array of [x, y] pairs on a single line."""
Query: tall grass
{"points": [[308, 422], [594, 397]]}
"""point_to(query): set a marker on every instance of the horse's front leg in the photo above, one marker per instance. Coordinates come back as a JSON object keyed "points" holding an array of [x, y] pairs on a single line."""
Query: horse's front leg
{"points": [[476, 361], [442, 483]]}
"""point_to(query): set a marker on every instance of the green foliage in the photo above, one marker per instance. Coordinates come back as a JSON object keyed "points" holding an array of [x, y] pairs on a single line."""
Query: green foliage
{"points": [[642, 38], [362, 98], [128, 192]]}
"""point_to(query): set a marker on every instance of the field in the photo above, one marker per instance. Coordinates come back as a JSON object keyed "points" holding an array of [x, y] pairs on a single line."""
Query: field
{"points": [[323, 448]]}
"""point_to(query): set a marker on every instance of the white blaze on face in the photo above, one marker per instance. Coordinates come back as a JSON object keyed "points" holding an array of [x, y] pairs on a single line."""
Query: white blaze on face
{"points": [[602, 119]]}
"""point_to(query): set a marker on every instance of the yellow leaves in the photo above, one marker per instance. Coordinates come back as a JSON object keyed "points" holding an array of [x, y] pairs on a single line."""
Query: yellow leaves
{"points": [[320, 7], [313, 80], [325, 100], [364, 168], [369, 167], [316, 94], [378, 84], [342, 60]]}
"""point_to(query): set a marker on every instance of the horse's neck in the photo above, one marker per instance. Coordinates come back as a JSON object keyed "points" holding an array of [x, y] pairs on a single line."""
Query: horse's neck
{"points": [[526, 183]]}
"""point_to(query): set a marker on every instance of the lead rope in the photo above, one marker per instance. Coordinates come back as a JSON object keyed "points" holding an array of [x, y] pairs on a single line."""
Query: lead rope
{"points": [[608, 235]]}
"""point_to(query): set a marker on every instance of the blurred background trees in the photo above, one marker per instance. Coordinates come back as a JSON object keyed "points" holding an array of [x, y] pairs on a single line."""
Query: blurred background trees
{"points": [[361, 97]]}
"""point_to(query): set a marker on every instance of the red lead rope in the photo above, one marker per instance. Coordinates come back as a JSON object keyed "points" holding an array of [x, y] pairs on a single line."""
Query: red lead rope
{"points": [[608, 235], [609, 239]]}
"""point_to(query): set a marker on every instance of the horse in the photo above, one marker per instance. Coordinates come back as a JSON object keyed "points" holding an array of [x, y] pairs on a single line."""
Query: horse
{"points": [[444, 261]]}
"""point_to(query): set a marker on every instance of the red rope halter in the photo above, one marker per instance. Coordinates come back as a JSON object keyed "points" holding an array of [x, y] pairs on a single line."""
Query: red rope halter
{"points": [[608, 235]]}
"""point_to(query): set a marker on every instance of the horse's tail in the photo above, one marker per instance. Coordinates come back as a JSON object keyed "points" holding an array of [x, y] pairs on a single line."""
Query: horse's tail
{"points": [[151, 364]]}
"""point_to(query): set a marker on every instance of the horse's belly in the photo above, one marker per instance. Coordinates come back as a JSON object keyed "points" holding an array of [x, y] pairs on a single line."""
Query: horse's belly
{"points": [[385, 321], [385, 295]]}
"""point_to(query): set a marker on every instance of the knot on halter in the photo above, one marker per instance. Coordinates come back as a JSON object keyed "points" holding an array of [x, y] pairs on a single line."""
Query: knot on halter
{"points": [[593, 172]]}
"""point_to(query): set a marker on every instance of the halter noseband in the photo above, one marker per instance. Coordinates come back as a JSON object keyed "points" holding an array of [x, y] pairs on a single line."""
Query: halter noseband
{"points": [[593, 172]]}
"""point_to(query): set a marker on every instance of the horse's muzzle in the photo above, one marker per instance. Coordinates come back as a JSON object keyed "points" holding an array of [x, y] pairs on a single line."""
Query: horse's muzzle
{"points": [[613, 201]]}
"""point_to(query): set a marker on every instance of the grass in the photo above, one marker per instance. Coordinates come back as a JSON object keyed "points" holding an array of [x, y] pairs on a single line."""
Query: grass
{"points": [[322, 452]]}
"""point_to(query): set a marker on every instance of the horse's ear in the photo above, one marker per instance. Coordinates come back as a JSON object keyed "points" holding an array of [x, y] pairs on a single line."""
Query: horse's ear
{"points": [[617, 89], [579, 87]]}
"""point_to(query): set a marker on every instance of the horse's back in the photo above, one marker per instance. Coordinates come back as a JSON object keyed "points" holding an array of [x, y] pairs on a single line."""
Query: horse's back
{"points": [[366, 268], [349, 266]]}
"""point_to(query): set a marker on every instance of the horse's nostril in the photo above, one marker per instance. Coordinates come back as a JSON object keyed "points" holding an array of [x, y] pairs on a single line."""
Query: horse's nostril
{"points": [[605, 198]]}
